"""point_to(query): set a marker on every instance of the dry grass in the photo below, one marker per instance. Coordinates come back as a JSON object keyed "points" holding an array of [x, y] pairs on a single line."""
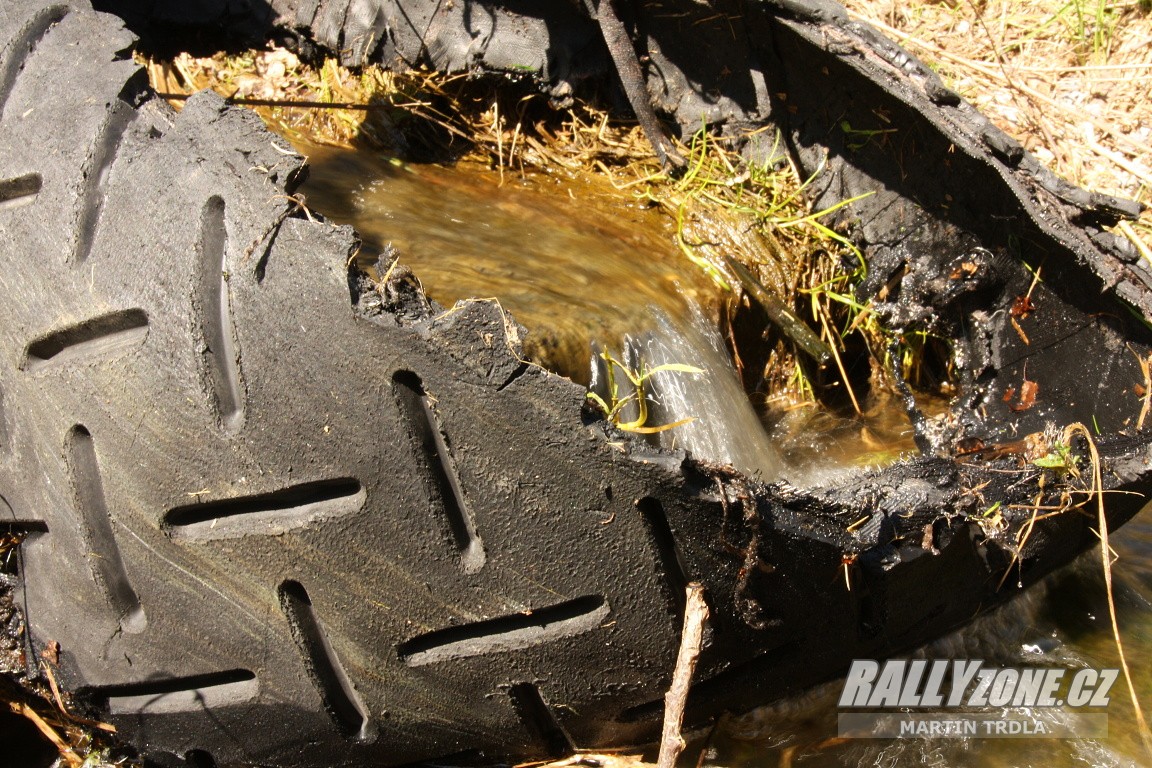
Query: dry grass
{"points": [[417, 115], [81, 742], [338, 107], [1068, 78]]}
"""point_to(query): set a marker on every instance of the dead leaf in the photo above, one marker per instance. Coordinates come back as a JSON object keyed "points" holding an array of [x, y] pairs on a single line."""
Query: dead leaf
{"points": [[51, 653], [1028, 392], [966, 269], [1022, 307], [970, 444]]}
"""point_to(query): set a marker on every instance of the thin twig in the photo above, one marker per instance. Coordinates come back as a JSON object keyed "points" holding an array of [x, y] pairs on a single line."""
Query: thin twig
{"points": [[78, 719], [840, 366], [781, 315], [627, 65], [692, 636]]}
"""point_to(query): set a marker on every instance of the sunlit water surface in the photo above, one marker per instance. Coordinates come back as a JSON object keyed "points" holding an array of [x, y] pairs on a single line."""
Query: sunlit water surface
{"points": [[564, 255]]}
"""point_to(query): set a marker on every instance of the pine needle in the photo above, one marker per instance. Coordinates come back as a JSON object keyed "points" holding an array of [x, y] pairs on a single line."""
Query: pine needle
{"points": [[1106, 560]]}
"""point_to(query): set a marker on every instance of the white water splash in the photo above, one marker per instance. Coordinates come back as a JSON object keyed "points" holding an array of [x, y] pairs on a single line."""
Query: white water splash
{"points": [[725, 428]]}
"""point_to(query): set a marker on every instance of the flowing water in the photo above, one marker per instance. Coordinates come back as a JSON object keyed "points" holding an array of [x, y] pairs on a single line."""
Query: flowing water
{"points": [[563, 255], [724, 426], [571, 264], [578, 268]]}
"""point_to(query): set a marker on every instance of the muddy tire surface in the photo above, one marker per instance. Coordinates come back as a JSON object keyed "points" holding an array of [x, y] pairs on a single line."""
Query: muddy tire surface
{"points": [[280, 515], [269, 520]]}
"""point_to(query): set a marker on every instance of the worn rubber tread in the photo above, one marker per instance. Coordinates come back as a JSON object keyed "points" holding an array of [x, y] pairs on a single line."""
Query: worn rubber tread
{"points": [[167, 425], [21, 44], [103, 552], [361, 529]]}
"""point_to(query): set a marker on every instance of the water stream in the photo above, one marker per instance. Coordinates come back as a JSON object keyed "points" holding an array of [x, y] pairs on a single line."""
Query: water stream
{"points": [[563, 255], [725, 428], [573, 265], [578, 268]]}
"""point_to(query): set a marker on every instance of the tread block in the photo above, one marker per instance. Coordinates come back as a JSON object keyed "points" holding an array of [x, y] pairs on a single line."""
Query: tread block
{"points": [[506, 633], [24, 42], [100, 159], [103, 336]]}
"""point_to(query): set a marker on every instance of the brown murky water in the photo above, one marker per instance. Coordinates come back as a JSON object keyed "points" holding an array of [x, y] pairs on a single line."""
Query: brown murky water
{"points": [[574, 261], [574, 264]]}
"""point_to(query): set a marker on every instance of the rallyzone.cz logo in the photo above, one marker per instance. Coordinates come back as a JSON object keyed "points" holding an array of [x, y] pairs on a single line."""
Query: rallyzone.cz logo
{"points": [[972, 690]]}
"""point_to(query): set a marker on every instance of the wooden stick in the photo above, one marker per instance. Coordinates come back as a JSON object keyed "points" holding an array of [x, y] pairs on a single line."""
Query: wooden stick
{"points": [[783, 317], [1106, 560], [632, 78], [695, 617]]}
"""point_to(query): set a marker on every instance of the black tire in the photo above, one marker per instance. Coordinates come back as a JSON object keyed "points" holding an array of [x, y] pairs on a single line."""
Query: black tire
{"points": [[280, 516], [263, 525]]}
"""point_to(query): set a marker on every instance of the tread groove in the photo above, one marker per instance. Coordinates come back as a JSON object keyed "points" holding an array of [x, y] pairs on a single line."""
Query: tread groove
{"points": [[22, 46], [99, 336], [96, 178], [19, 190], [177, 694], [267, 513], [667, 551], [324, 667], [428, 439], [23, 526], [221, 355], [199, 758], [103, 553], [506, 633], [540, 721]]}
